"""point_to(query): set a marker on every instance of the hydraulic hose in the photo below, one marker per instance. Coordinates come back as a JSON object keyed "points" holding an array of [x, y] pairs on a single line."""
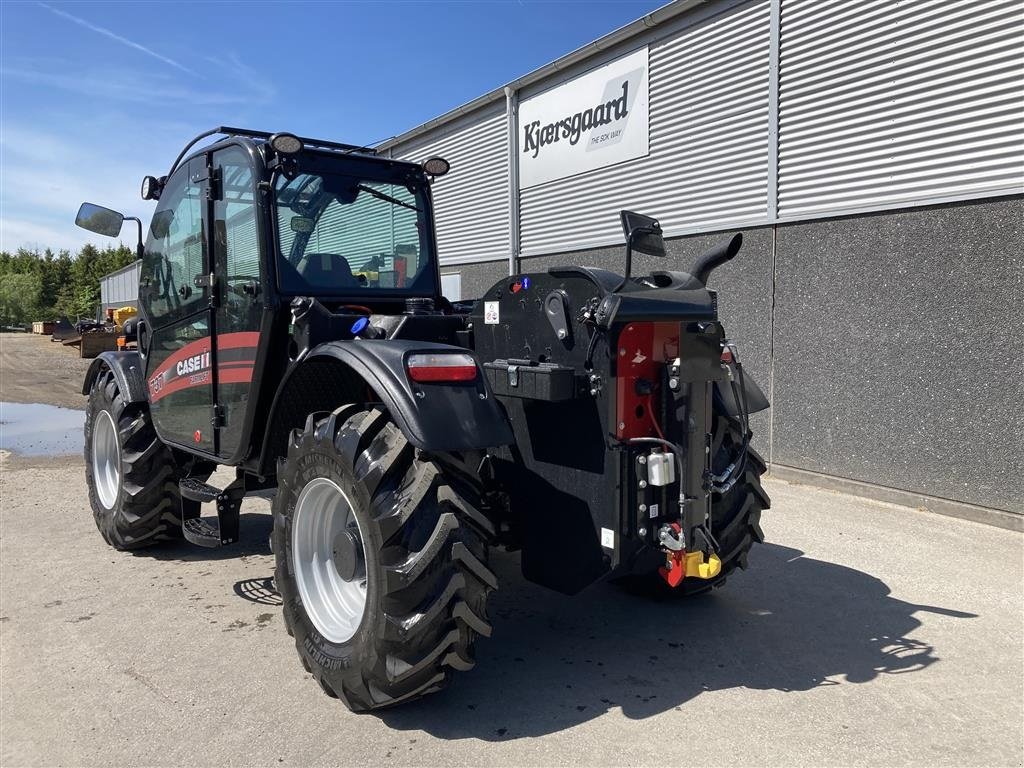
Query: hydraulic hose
{"points": [[588, 362], [724, 482]]}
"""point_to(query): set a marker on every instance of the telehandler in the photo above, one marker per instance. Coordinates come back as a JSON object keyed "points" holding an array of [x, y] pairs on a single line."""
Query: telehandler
{"points": [[291, 325]]}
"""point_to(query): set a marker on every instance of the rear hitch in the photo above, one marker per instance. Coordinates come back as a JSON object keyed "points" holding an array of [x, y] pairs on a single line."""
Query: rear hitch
{"points": [[681, 564]]}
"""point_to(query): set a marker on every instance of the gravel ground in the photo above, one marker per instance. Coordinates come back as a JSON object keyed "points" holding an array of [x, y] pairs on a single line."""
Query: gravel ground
{"points": [[863, 634], [34, 369]]}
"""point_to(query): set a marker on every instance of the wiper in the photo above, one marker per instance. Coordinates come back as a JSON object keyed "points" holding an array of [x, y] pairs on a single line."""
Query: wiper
{"points": [[385, 197]]}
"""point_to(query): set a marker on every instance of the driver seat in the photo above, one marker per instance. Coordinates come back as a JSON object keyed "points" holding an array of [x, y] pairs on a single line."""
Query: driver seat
{"points": [[327, 269]]}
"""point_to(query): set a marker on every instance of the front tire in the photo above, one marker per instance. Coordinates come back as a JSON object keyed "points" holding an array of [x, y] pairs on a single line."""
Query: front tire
{"points": [[384, 581], [131, 475]]}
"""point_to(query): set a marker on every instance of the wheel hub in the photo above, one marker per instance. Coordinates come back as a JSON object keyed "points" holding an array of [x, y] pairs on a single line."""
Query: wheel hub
{"points": [[329, 560], [348, 555]]}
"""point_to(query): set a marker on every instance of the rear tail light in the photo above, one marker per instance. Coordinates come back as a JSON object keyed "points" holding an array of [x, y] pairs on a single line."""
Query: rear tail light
{"points": [[441, 367]]}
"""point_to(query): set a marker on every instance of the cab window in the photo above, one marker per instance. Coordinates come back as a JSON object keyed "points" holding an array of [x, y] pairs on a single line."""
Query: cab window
{"points": [[175, 253], [236, 243], [346, 234]]}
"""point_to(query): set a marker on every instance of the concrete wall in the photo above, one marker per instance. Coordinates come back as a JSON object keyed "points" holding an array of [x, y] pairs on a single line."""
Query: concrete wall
{"points": [[899, 350], [477, 278], [892, 344]]}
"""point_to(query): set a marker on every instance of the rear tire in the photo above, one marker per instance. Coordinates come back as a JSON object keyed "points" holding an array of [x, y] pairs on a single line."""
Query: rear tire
{"points": [[735, 516], [131, 474], [423, 564]]}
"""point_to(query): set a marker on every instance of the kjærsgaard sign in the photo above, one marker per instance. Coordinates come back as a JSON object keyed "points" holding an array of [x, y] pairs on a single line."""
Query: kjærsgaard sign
{"points": [[597, 119]]}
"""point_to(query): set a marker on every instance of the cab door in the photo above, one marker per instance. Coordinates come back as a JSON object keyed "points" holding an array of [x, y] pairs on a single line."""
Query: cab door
{"points": [[239, 287], [174, 292]]}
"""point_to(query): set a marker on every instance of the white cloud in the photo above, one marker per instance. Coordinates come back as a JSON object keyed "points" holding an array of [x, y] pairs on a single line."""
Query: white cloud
{"points": [[46, 177], [123, 40], [259, 87], [18, 233], [90, 132], [138, 87]]}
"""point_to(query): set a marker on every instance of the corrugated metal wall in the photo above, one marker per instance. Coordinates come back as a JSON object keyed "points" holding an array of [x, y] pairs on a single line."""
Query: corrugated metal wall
{"points": [[368, 228], [883, 103], [876, 105], [120, 288], [472, 211], [708, 161]]}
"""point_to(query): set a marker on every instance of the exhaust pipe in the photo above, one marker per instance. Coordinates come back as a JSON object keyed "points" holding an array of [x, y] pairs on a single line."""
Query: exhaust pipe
{"points": [[716, 257]]}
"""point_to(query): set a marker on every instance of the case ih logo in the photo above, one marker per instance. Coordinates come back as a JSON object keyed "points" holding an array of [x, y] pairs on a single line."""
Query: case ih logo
{"points": [[572, 127], [194, 364]]}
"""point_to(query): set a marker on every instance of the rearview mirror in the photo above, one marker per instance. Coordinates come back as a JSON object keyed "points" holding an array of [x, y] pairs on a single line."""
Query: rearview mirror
{"points": [[302, 224], [643, 233], [100, 220]]}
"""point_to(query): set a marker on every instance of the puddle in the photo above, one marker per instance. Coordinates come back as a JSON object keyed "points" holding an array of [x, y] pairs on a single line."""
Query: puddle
{"points": [[33, 429]]}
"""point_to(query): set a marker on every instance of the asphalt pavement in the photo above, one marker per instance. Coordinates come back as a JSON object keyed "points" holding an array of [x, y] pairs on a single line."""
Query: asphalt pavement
{"points": [[862, 634]]}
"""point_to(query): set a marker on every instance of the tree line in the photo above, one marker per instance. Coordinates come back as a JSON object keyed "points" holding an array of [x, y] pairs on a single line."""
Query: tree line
{"points": [[38, 285]]}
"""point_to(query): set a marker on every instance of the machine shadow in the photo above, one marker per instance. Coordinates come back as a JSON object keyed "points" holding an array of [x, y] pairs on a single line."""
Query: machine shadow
{"points": [[791, 624]]}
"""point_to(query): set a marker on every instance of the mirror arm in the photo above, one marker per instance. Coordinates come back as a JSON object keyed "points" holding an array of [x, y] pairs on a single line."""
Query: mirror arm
{"points": [[629, 263], [138, 247], [629, 253]]}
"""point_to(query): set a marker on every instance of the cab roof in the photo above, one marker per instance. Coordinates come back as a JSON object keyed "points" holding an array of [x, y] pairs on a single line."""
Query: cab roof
{"points": [[264, 137]]}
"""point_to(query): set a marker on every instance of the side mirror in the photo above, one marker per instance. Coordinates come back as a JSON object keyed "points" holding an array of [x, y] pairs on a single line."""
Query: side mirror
{"points": [[643, 233], [100, 220]]}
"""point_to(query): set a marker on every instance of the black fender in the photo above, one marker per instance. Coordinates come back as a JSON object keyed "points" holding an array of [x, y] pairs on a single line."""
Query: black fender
{"points": [[127, 369], [434, 417], [755, 397]]}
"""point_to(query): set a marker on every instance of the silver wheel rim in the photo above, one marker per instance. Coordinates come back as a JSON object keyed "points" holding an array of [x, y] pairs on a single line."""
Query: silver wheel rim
{"points": [[106, 459], [323, 518]]}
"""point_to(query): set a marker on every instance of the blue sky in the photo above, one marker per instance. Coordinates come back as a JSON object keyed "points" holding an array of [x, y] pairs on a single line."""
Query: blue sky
{"points": [[96, 95]]}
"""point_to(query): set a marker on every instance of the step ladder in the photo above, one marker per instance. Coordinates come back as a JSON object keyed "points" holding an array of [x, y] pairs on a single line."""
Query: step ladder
{"points": [[216, 531]]}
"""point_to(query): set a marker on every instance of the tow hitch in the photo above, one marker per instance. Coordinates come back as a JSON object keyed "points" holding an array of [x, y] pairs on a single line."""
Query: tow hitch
{"points": [[680, 563]]}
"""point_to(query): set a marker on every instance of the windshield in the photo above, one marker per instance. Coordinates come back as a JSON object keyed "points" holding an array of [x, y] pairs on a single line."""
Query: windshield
{"points": [[342, 234]]}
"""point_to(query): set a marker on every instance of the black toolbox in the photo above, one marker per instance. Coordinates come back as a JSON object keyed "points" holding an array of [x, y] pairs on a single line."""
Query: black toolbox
{"points": [[531, 380]]}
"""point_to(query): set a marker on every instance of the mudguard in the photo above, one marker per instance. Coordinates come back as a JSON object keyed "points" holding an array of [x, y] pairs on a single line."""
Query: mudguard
{"points": [[127, 369], [434, 417], [756, 400]]}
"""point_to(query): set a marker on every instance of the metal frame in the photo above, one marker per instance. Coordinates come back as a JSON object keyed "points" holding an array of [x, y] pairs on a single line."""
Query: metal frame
{"points": [[774, 42], [512, 118], [251, 134]]}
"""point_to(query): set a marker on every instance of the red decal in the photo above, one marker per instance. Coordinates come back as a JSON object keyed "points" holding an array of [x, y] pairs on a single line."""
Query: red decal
{"points": [[517, 287], [238, 339], [191, 366], [236, 374], [198, 436]]}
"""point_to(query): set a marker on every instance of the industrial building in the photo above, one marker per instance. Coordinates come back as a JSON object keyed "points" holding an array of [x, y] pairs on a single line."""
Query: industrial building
{"points": [[119, 289], [872, 153]]}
